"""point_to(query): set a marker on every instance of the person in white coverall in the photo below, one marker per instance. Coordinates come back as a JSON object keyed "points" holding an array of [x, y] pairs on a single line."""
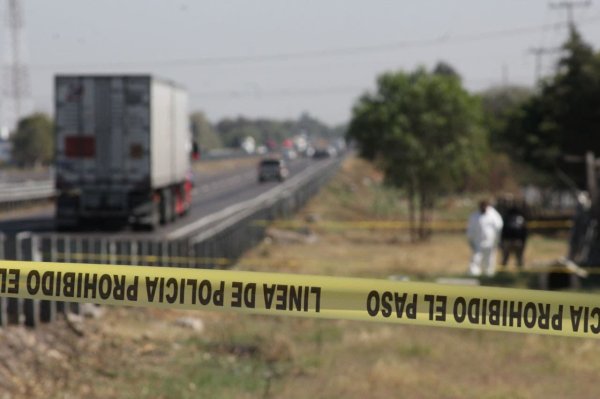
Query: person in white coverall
{"points": [[483, 233]]}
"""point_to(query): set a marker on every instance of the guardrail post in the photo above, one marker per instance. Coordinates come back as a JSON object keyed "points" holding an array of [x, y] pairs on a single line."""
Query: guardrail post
{"points": [[79, 250], [54, 248], [14, 310], [103, 251], [164, 257], [195, 255], [31, 307], [3, 301], [188, 253], [71, 307], [155, 253], [143, 252], [14, 306], [174, 254], [172, 251], [179, 256], [47, 308], [213, 253], [133, 249], [3, 312], [112, 252]]}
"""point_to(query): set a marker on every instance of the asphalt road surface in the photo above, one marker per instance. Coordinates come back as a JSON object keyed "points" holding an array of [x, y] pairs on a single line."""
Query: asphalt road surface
{"points": [[211, 194]]}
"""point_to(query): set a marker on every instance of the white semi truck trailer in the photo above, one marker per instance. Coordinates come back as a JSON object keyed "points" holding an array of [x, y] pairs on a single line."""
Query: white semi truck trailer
{"points": [[123, 148]]}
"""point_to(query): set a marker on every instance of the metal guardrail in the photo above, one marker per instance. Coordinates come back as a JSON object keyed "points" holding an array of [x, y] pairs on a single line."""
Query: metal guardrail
{"points": [[14, 195], [29, 312], [225, 153], [217, 242]]}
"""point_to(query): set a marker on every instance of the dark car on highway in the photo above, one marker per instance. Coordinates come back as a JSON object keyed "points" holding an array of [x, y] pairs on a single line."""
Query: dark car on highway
{"points": [[272, 169]]}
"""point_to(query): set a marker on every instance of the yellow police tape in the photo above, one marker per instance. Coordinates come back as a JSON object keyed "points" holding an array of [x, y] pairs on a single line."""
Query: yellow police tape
{"points": [[447, 225], [482, 308]]}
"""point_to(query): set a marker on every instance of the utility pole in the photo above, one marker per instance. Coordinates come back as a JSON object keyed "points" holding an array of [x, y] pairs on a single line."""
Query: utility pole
{"points": [[592, 167], [16, 96], [569, 5], [538, 53], [591, 179]]}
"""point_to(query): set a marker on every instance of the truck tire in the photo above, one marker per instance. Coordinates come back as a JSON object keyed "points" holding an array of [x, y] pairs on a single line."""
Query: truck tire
{"points": [[151, 220], [154, 217], [167, 206]]}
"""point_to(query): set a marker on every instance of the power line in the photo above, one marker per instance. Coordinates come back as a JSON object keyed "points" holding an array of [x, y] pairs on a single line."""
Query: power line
{"points": [[569, 6], [541, 51], [284, 92], [324, 53], [258, 93]]}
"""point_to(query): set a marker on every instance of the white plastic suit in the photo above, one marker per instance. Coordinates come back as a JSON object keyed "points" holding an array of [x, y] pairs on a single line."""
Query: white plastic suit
{"points": [[483, 233]]}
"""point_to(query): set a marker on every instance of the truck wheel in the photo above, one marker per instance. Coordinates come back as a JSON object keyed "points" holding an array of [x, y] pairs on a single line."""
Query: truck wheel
{"points": [[150, 221], [154, 216]]}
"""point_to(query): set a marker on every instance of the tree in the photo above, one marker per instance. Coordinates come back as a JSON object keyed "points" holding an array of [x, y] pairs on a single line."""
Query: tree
{"points": [[33, 141], [233, 131], [445, 69], [564, 117], [424, 131], [312, 126], [499, 104], [204, 134]]}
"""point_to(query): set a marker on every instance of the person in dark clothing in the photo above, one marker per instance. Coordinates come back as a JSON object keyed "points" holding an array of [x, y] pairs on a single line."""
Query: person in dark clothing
{"points": [[514, 236]]}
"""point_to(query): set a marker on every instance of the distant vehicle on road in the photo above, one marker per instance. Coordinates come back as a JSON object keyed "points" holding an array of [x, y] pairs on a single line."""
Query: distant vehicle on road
{"points": [[272, 169], [123, 150], [325, 152], [290, 154]]}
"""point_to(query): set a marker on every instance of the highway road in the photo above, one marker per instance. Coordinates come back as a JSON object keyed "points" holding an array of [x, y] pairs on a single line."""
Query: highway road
{"points": [[211, 194]]}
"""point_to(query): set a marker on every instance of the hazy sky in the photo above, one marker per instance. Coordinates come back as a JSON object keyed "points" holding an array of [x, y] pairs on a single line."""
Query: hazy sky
{"points": [[278, 58]]}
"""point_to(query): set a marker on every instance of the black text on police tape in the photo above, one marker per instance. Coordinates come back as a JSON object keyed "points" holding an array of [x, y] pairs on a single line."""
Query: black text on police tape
{"points": [[484, 311], [162, 290], [284, 297], [82, 285]]}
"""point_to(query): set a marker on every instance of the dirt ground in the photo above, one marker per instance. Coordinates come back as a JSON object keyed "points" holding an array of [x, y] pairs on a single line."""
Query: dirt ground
{"points": [[152, 353]]}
